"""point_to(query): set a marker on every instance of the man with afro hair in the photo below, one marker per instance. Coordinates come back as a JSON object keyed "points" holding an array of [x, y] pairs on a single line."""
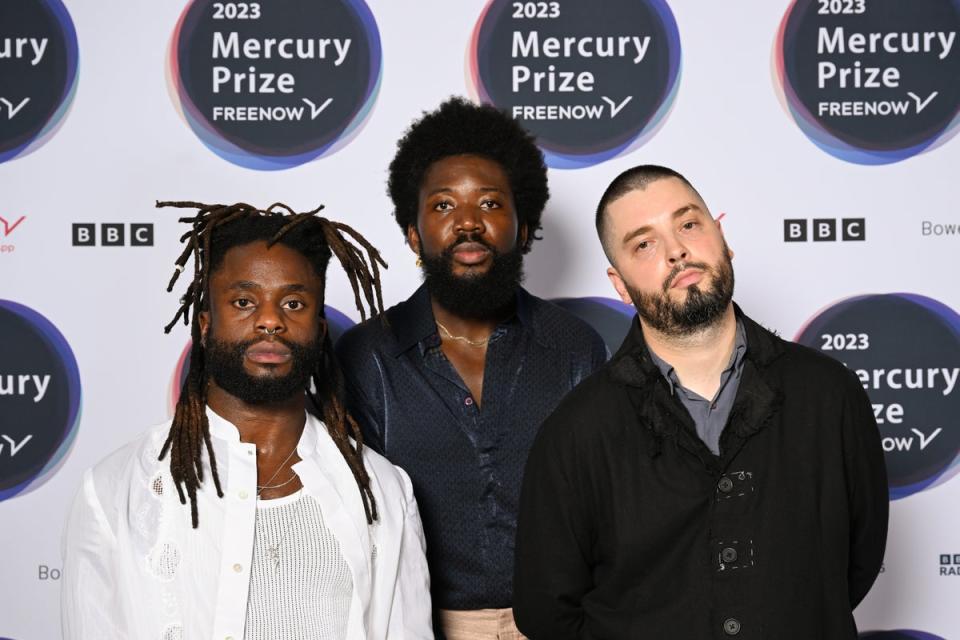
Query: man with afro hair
{"points": [[454, 384]]}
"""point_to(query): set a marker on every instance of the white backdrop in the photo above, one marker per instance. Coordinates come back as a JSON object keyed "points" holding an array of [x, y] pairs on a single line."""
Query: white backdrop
{"points": [[123, 145]]}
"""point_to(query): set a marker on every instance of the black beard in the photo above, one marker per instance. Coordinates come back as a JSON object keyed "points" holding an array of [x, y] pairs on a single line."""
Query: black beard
{"points": [[478, 296], [224, 361], [700, 310]]}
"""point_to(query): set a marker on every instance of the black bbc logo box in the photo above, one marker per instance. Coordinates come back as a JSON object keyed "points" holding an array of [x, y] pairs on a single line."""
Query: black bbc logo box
{"points": [[112, 234], [824, 230], [946, 559]]}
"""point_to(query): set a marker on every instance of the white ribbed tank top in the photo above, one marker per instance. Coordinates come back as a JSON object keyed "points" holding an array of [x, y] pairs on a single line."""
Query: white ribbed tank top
{"points": [[300, 585]]}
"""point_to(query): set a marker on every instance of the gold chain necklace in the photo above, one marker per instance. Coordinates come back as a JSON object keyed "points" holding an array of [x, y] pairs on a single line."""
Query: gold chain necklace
{"points": [[472, 343]]}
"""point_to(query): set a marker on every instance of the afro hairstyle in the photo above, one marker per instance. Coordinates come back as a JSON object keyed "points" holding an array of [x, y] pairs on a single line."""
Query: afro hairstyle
{"points": [[460, 127]]}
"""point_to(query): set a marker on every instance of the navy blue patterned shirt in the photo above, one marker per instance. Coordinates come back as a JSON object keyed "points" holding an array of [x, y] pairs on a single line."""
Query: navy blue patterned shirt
{"points": [[466, 462]]}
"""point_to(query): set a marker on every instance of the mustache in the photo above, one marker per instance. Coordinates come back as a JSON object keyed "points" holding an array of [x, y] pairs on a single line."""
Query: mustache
{"points": [[469, 237], [703, 266], [246, 344]]}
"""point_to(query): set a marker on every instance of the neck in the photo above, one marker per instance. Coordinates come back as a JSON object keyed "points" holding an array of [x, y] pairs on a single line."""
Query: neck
{"points": [[467, 327], [273, 428], [698, 357]]}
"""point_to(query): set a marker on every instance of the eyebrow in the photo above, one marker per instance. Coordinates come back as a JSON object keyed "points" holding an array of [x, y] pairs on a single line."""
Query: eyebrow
{"points": [[449, 190], [639, 231], [247, 285]]}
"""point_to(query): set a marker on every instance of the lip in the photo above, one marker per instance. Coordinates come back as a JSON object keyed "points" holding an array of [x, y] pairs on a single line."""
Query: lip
{"points": [[268, 353], [686, 278], [470, 253]]}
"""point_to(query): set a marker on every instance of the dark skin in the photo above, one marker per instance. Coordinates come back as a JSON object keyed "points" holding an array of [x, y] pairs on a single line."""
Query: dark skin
{"points": [[459, 195], [258, 289]]}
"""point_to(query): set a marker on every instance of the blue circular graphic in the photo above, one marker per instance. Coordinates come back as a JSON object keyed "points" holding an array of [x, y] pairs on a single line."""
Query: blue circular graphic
{"points": [[608, 317], [39, 399], [905, 350], [38, 73]]}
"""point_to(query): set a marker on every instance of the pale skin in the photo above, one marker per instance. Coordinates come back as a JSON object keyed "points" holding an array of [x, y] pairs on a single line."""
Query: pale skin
{"points": [[256, 289], [459, 195], [651, 231]]}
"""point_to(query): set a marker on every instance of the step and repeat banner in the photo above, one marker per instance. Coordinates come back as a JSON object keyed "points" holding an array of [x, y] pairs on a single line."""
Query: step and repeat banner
{"points": [[822, 129]]}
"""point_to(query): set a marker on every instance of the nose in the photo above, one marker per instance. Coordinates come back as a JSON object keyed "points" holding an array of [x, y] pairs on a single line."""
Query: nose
{"points": [[269, 320], [676, 251], [469, 220]]}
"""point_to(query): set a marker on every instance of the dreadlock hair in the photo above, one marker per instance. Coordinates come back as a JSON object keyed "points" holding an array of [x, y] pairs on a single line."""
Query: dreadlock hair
{"points": [[214, 230]]}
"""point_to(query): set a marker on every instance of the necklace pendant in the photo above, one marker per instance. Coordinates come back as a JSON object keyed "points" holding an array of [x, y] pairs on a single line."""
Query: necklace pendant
{"points": [[274, 552]]}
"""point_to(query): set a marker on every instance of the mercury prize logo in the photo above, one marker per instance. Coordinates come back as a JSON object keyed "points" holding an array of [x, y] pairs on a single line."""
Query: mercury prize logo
{"points": [[905, 350], [272, 85], [591, 80], [871, 81], [38, 73], [39, 399]]}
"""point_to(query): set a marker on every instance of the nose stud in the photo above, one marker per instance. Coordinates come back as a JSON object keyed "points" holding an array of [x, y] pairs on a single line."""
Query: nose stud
{"points": [[270, 332]]}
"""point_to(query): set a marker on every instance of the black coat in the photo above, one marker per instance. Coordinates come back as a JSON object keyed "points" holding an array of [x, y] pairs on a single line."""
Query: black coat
{"points": [[630, 528]]}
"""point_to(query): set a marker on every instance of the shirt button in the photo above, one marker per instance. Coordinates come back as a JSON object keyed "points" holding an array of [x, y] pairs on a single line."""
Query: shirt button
{"points": [[729, 555], [249, 452], [731, 626], [468, 401], [725, 485], [242, 495], [238, 567]]}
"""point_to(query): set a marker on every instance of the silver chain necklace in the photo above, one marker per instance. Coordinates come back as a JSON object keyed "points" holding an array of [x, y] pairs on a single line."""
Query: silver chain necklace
{"points": [[273, 549], [266, 485]]}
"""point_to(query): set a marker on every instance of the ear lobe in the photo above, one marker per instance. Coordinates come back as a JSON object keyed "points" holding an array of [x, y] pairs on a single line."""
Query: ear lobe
{"points": [[203, 318], [522, 233], [619, 285], [413, 239]]}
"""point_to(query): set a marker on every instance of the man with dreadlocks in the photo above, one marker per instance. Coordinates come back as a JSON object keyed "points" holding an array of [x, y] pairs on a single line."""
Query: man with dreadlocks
{"points": [[293, 528], [454, 387]]}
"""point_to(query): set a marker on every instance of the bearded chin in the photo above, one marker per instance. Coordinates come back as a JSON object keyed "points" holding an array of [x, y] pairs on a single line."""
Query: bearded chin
{"points": [[700, 310], [481, 296], [224, 363]]}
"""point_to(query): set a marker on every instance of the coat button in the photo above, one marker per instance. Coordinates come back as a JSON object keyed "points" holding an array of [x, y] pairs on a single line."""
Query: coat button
{"points": [[728, 555], [731, 626], [725, 485]]}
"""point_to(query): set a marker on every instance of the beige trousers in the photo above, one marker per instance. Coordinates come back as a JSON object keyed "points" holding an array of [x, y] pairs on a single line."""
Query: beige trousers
{"points": [[480, 624]]}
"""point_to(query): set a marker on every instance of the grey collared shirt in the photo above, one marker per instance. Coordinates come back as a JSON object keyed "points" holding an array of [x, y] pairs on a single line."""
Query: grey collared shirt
{"points": [[710, 416]]}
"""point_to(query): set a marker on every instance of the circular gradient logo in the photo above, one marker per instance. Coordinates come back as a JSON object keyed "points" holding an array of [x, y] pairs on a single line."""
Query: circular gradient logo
{"points": [[39, 399], [905, 349], [38, 73], [899, 634], [274, 85], [591, 80], [337, 324], [871, 81]]}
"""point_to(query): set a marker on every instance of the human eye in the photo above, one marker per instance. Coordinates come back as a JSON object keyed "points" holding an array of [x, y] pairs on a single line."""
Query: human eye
{"points": [[294, 305], [690, 225], [443, 206], [643, 246], [243, 303], [490, 203]]}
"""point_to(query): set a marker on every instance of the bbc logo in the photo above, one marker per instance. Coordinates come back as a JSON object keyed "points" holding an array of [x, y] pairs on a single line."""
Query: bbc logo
{"points": [[112, 234], [824, 230], [945, 559]]}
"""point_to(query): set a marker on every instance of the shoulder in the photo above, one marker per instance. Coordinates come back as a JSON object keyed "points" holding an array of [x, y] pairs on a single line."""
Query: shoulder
{"points": [[132, 469], [357, 342], [393, 481], [593, 410], [561, 328]]}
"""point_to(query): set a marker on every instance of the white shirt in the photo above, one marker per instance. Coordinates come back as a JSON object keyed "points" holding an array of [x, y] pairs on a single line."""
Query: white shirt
{"points": [[135, 568]]}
